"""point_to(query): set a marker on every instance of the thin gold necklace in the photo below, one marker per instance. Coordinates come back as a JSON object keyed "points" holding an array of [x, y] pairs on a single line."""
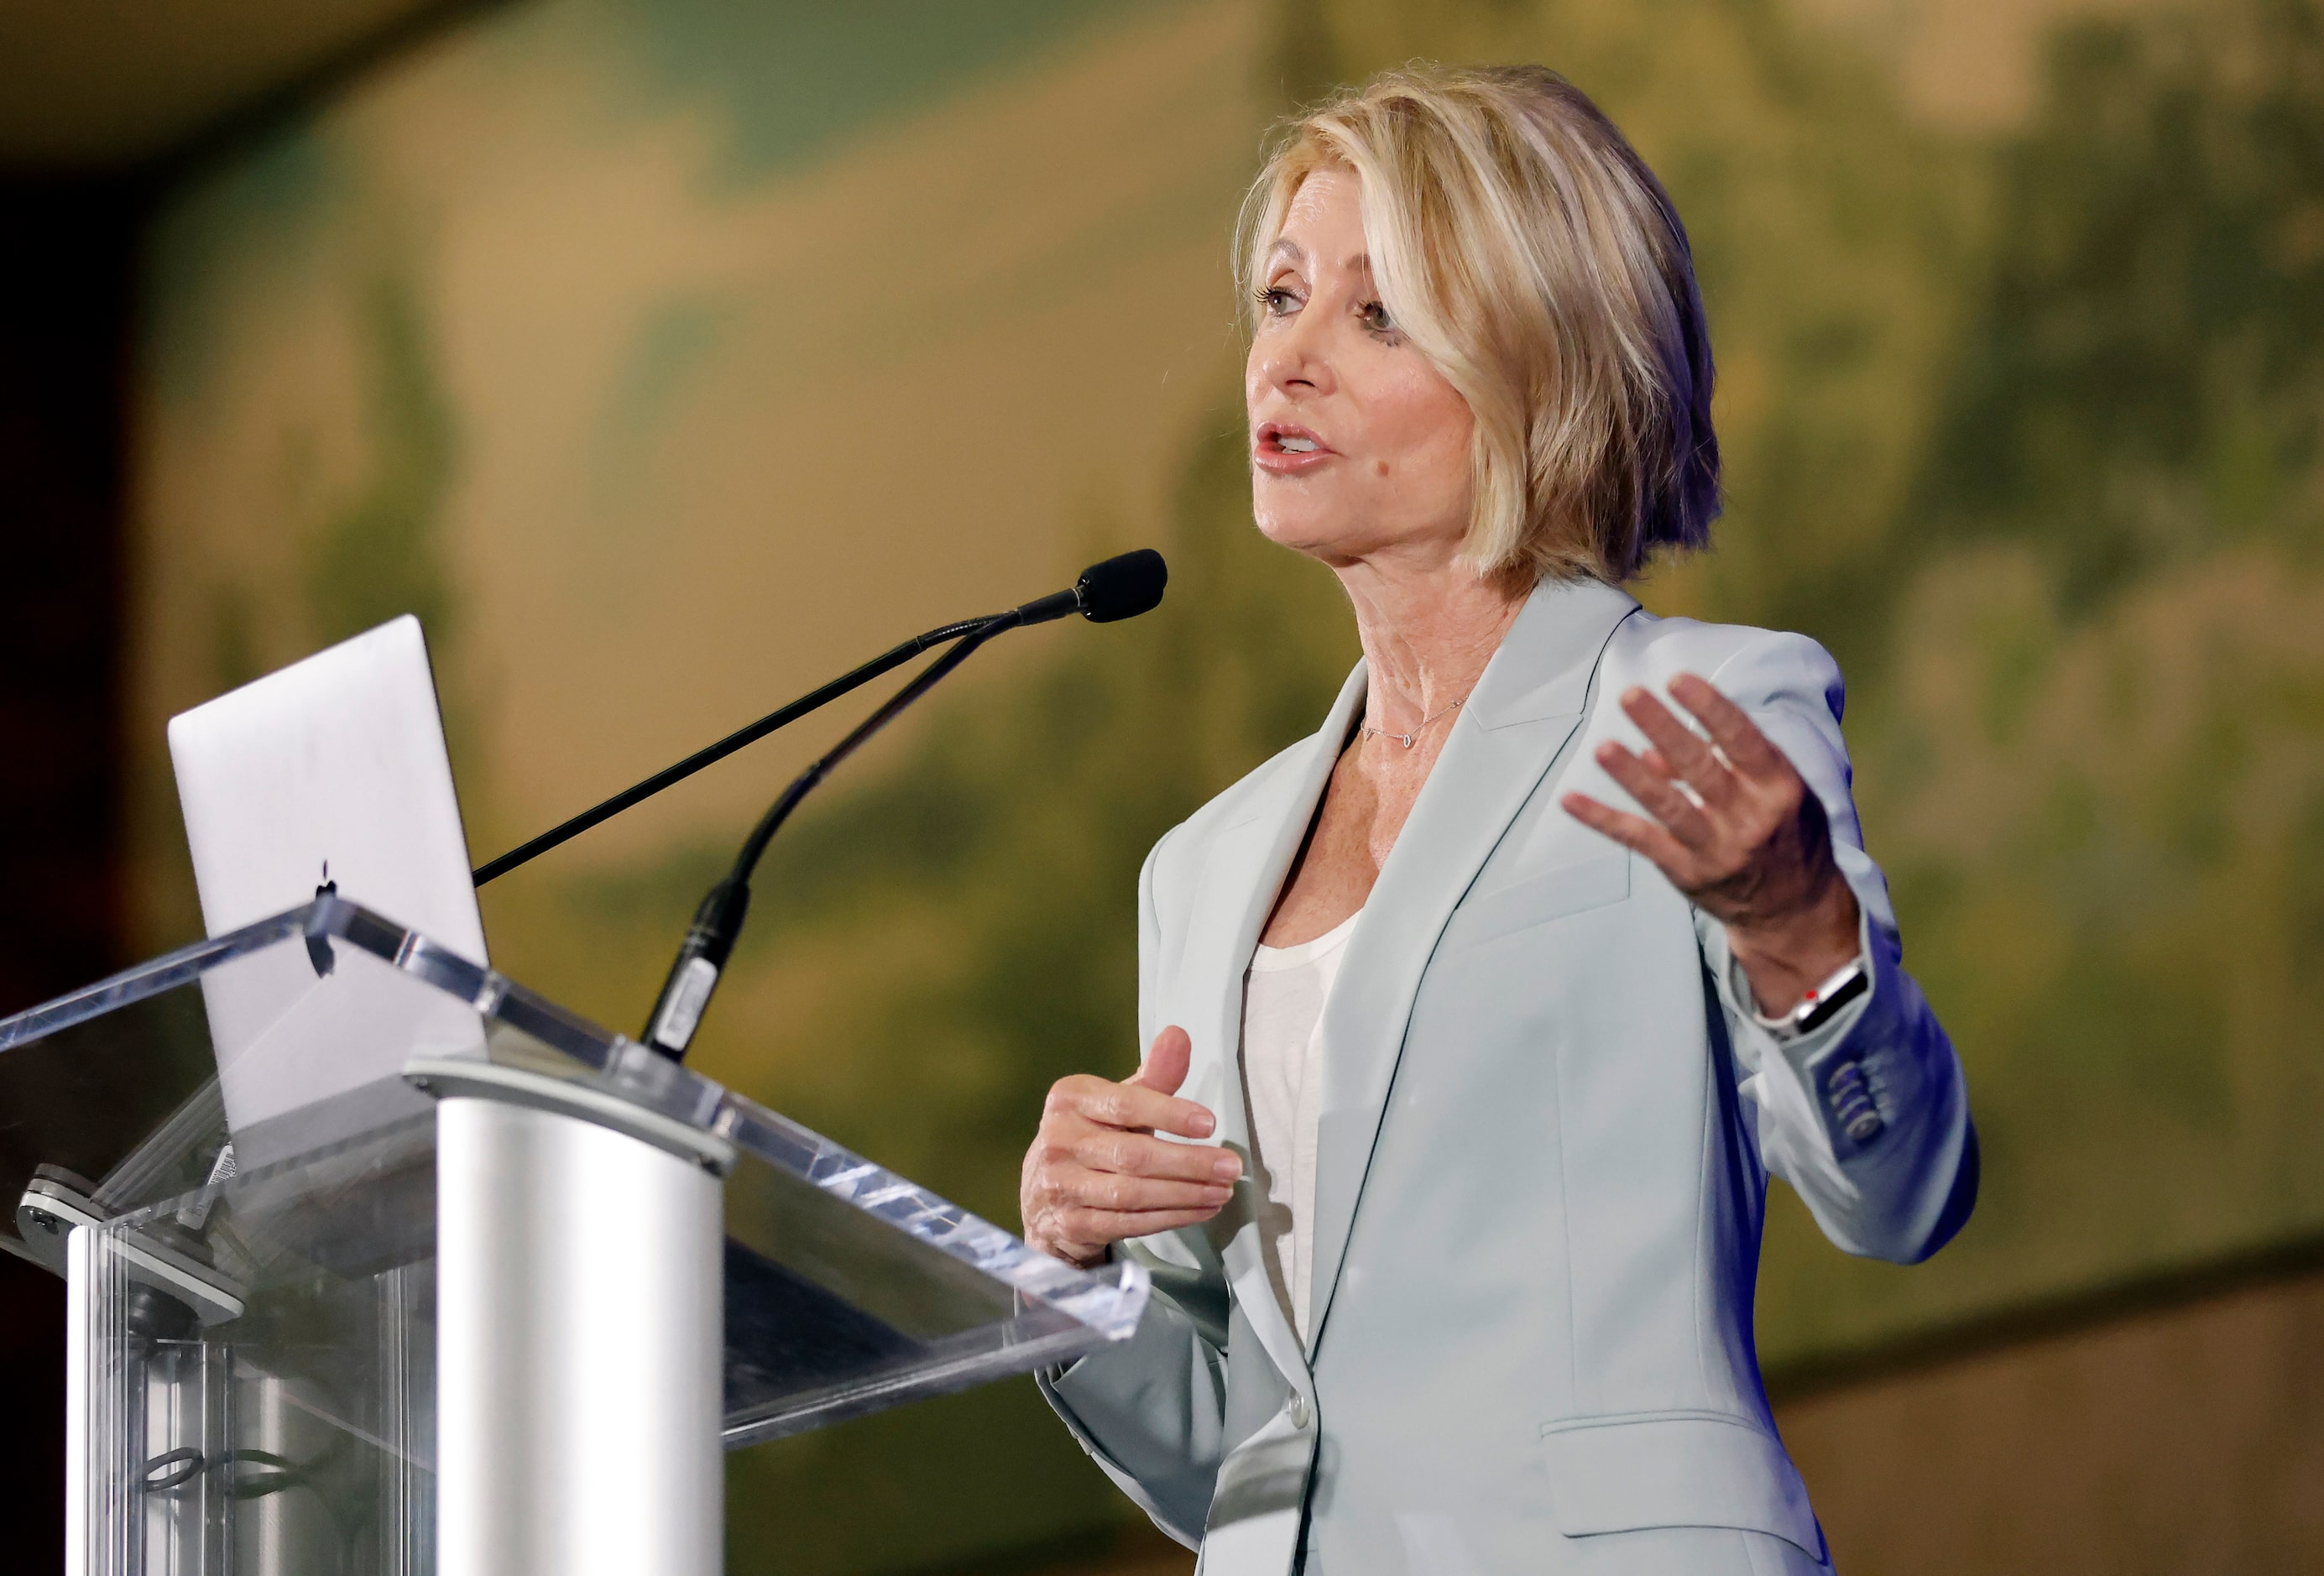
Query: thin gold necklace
{"points": [[1412, 738]]}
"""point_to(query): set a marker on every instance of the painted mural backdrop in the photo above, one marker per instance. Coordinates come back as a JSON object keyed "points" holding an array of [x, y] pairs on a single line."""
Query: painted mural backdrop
{"points": [[667, 355]]}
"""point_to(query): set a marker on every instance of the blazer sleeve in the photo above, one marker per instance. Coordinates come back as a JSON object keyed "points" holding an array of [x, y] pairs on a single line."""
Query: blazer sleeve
{"points": [[1867, 1118], [1151, 1412]]}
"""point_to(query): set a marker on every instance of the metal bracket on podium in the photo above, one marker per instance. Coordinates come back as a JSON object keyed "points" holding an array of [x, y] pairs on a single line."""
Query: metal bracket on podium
{"points": [[448, 1076]]}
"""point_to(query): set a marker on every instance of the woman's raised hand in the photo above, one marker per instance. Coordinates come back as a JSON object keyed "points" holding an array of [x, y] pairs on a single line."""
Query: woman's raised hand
{"points": [[1736, 828], [1097, 1174]]}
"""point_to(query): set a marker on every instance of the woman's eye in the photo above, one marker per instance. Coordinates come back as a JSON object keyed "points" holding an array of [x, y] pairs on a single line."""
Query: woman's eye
{"points": [[1276, 302], [1375, 317]]}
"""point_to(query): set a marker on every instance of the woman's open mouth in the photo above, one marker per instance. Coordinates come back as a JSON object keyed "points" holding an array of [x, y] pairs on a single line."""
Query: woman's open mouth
{"points": [[1287, 448]]}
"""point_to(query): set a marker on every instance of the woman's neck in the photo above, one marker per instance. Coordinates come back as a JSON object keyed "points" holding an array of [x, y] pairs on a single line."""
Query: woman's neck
{"points": [[1427, 632]]}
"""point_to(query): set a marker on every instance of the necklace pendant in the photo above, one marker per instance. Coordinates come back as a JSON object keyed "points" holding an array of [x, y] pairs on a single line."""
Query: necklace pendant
{"points": [[1407, 740]]}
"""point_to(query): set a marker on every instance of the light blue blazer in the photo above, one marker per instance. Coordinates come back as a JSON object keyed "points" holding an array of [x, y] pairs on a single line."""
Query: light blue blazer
{"points": [[1547, 1127]]}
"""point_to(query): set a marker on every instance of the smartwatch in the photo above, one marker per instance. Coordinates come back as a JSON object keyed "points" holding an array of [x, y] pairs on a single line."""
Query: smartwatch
{"points": [[1818, 1006]]}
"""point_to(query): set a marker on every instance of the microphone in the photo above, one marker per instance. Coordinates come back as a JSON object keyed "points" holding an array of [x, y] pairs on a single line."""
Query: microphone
{"points": [[1118, 588]]}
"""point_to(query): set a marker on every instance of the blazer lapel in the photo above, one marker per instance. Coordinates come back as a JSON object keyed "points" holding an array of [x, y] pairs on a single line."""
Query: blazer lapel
{"points": [[1241, 876], [1524, 709]]}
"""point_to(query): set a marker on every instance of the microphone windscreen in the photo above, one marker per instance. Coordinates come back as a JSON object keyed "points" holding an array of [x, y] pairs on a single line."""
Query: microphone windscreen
{"points": [[1122, 587]]}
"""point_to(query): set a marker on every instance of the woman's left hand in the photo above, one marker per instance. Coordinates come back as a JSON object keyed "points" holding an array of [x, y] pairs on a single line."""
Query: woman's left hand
{"points": [[1738, 830]]}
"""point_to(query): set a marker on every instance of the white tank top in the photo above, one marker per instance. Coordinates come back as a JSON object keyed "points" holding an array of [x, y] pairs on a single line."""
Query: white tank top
{"points": [[1283, 1089]]}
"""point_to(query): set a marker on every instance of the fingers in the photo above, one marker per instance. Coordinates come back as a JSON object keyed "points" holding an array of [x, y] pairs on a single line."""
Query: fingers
{"points": [[1654, 790], [1096, 1173], [1135, 1195], [1079, 1235], [1683, 753], [1730, 823], [1633, 832], [1126, 1154], [1130, 1105], [1072, 1202], [1730, 727], [1167, 1060], [1087, 1184]]}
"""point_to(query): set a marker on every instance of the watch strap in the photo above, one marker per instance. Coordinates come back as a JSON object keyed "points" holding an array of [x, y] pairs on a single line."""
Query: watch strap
{"points": [[1820, 1006]]}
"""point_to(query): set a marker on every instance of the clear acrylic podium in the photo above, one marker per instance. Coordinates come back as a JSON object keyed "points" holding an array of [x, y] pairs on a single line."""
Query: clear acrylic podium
{"points": [[493, 1312]]}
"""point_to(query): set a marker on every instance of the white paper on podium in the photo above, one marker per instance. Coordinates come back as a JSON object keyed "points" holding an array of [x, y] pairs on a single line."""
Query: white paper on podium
{"points": [[335, 763]]}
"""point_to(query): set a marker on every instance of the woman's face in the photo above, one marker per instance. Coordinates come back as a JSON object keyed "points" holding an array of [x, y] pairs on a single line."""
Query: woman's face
{"points": [[1359, 447]]}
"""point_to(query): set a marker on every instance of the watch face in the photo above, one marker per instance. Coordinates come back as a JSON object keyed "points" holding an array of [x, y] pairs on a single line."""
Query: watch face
{"points": [[1818, 1006]]}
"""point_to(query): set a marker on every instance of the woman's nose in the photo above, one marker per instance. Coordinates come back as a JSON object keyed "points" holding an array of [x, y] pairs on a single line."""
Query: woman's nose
{"points": [[1291, 358]]}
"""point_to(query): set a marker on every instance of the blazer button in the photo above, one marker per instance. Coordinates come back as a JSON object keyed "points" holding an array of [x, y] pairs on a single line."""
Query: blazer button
{"points": [[1850, 1099], [1299, 1412]]}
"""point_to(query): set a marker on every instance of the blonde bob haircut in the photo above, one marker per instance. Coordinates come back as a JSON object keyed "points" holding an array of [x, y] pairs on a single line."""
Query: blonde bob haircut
{"points": [[1526, 250]]}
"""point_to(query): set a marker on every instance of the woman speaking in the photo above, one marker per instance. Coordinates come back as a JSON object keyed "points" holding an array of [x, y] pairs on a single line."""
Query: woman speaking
{"points": [[1477, 1021]]}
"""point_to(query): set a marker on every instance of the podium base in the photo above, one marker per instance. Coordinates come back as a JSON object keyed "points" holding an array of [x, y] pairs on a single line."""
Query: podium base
{"points": [[578, 1345]]}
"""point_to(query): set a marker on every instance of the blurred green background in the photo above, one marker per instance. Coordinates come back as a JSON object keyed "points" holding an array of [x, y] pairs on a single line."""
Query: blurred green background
{"points": [[667, 355]]}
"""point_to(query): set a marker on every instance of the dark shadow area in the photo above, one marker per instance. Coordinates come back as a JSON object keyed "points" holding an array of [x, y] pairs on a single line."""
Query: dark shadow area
{"points": [[65, 276]]}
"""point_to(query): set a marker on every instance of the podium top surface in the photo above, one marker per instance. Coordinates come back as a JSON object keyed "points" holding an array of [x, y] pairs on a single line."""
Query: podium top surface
{"points": [[124, 1107]]}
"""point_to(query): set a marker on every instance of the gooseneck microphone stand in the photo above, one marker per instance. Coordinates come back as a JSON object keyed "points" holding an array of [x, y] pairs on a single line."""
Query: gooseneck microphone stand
{"points": [[815, 700], [1119, 587], [702, 956]]}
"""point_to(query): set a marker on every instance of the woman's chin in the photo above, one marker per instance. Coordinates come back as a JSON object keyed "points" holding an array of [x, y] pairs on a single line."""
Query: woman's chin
{"points": [[1319, 534], [1339, 542], [1329, 547]]}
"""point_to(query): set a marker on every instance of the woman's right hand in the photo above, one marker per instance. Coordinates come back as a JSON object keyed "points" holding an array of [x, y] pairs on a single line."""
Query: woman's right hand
{"points": [[1097, 1174]]}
